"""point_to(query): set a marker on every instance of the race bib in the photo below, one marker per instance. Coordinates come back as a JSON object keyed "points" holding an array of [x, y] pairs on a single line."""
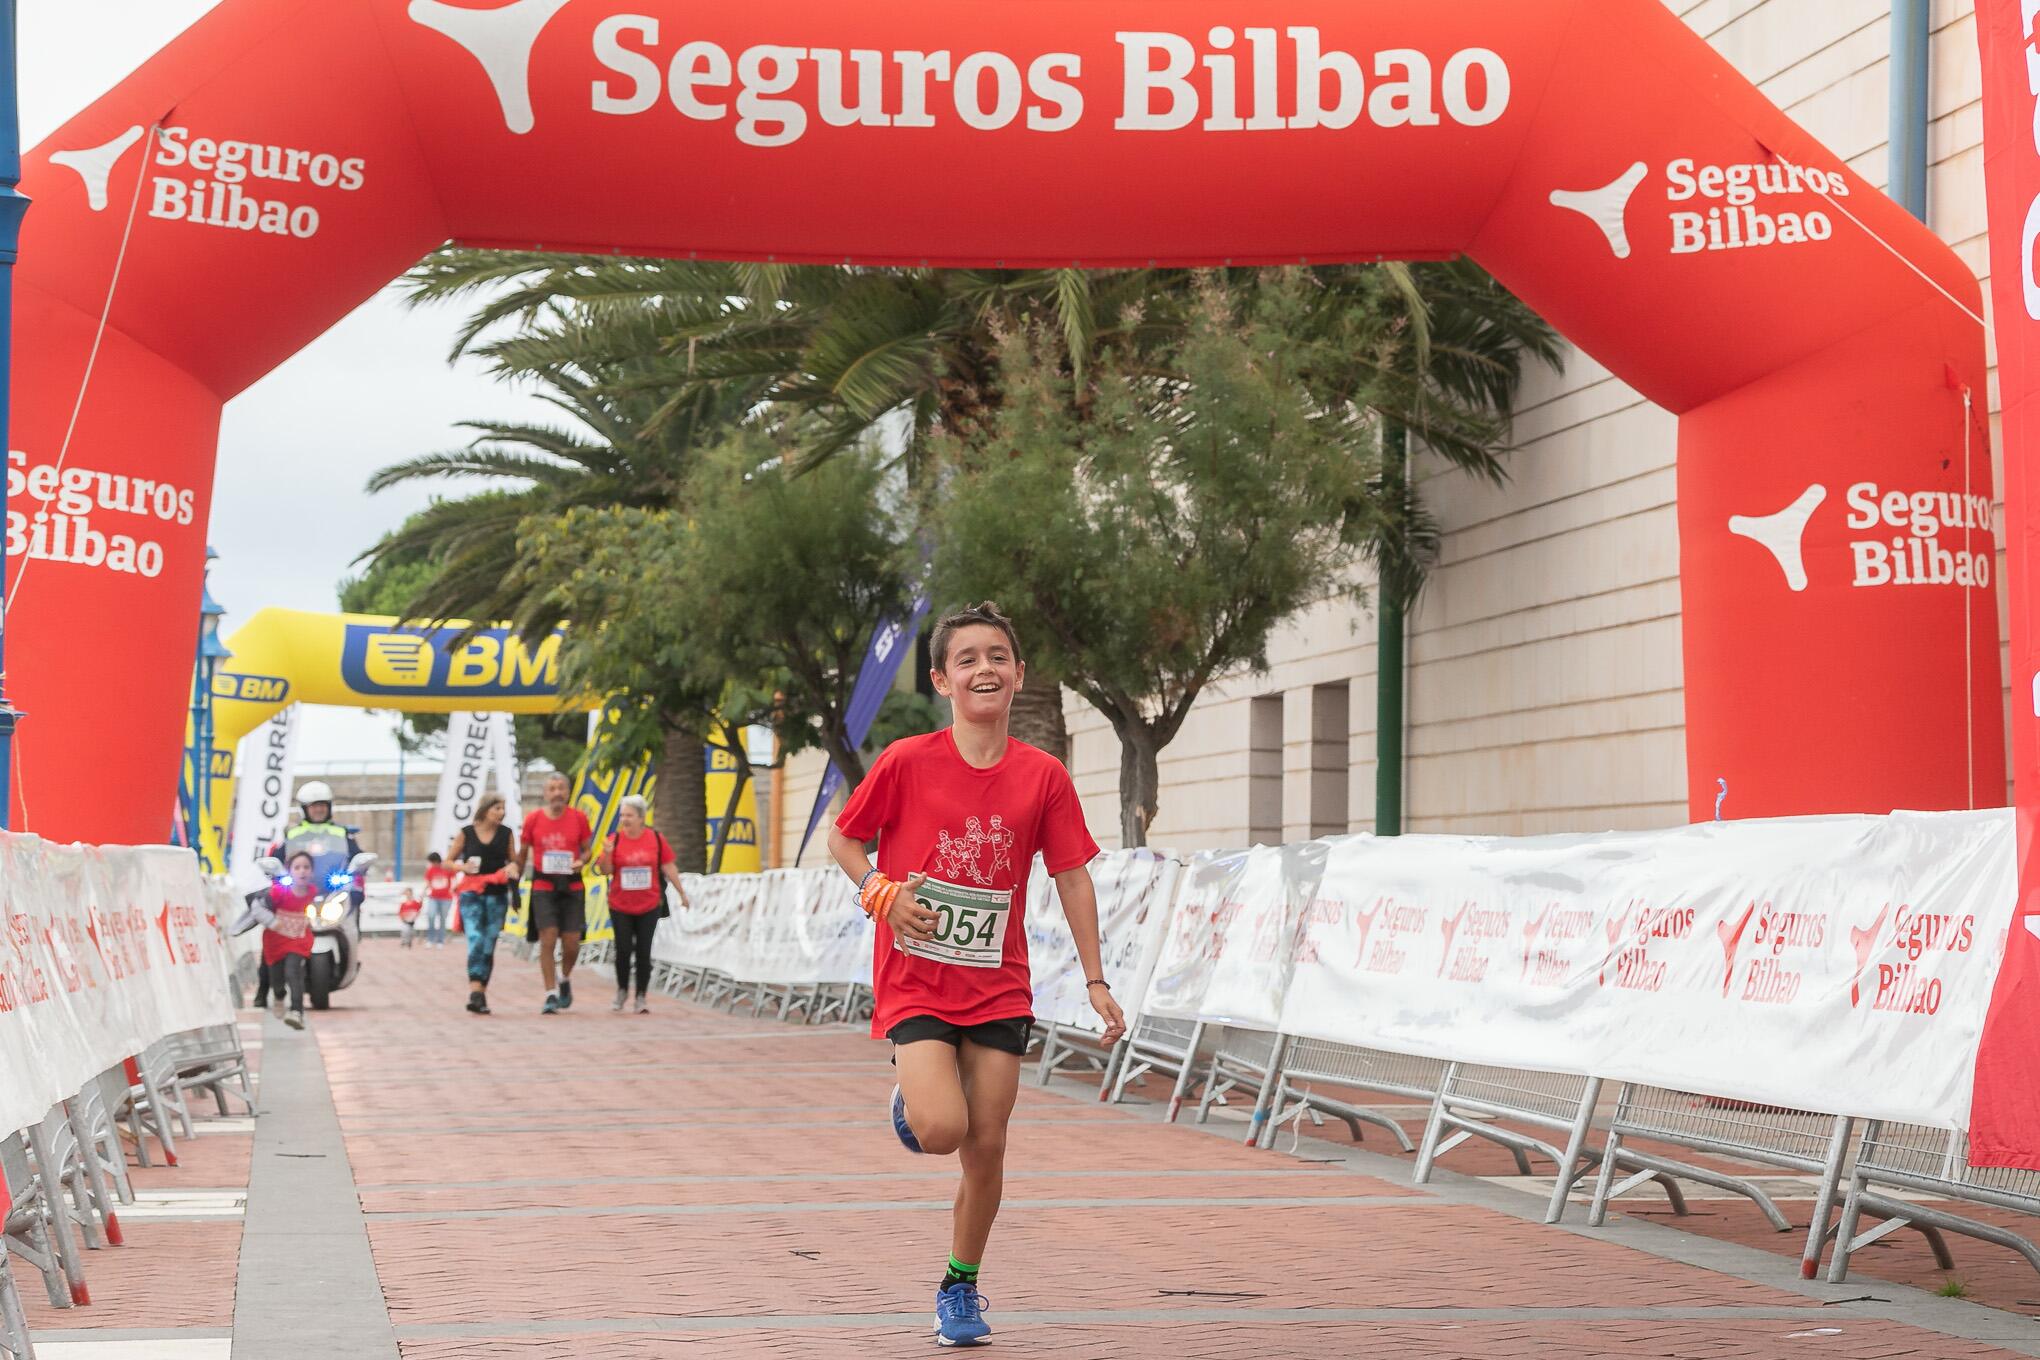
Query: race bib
{"points": [[634, 877], [556, 862], [970, 926]]}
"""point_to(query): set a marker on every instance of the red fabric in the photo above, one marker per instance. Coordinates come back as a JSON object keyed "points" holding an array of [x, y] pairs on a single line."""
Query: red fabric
{"points": [[2004, 1121], [543, 831], [931, 810], [646, 849], [291, 933], [439, 882]]}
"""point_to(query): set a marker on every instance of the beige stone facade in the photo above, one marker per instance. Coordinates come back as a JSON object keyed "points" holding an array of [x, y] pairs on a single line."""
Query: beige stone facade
{"points": [[1544, 683]]}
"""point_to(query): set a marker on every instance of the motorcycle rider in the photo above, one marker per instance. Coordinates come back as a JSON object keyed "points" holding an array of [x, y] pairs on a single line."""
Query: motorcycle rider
{"points": [[331, 845]]}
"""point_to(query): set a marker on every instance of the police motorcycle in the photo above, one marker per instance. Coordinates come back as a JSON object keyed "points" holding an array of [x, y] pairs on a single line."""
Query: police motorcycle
{"points": [[338, 863]]}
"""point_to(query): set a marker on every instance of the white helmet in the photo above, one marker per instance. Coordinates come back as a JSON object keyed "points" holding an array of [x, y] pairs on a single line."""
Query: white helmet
{"points": [[314, 791]]}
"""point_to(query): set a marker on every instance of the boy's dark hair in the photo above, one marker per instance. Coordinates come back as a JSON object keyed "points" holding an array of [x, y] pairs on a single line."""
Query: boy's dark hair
{"points": [[986, 614], [434, 858], [297, 855]]}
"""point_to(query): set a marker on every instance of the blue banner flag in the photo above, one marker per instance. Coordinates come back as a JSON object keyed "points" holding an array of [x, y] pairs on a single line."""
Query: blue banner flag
{"points": [[891, 643]]}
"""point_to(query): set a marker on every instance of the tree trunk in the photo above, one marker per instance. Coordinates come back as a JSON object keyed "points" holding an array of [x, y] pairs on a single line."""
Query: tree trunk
{"points": [[682, 812], [1037, 718], [1139, 783]]}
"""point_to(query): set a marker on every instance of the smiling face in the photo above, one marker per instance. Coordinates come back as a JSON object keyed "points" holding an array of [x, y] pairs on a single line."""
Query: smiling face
{"points": [[979, 674], [556, 794]]}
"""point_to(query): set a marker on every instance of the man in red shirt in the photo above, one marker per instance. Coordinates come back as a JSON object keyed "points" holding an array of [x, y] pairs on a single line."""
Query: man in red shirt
{"points": [[555, 847], [959, 816]]}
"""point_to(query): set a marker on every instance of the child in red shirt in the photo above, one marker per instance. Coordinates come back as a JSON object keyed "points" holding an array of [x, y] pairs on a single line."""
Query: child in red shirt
{"points": [[438, 899], [287, 937], [959, 816]]}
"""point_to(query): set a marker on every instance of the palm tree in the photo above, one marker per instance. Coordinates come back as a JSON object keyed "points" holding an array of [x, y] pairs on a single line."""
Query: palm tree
{"points": [[621, 446], [839, 352]]}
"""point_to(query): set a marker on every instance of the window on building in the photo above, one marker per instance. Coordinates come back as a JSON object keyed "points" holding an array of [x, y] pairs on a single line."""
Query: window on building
{"points": [[1264, 770], [1331, 758]]}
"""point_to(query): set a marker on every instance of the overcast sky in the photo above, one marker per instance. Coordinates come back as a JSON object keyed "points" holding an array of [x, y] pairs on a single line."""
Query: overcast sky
{"points": [[373, 389]]}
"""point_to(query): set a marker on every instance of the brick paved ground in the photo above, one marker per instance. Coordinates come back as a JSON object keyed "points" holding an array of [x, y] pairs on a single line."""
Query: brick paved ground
{"points": [[596, 1185]]}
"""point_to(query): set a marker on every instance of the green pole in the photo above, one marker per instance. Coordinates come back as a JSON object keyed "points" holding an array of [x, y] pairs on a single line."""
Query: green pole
{"points": [[1388, 658]]}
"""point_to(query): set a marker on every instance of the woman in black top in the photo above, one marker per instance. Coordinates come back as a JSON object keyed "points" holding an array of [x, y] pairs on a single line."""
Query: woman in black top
{"points": [[482, 851]]}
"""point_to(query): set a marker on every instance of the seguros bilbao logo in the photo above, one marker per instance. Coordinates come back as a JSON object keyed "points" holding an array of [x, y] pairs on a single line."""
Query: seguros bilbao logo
{"points": [[1941, 538], [494, 663], [1748, 206], [1218, 79]]}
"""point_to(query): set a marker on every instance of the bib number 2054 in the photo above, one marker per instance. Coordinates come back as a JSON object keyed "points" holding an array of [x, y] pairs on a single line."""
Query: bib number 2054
{"points": [[970, 925]]}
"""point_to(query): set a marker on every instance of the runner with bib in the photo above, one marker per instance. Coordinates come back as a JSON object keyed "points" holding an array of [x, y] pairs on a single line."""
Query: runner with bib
{"points": [[959, 816]]}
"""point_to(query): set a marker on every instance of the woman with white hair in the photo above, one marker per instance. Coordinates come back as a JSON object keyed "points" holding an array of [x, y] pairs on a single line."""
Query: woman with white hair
{"points": [[635, 859]]}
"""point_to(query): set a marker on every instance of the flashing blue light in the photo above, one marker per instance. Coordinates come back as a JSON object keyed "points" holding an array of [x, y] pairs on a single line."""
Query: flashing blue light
{"points": [[337, 881], [284, 881]]}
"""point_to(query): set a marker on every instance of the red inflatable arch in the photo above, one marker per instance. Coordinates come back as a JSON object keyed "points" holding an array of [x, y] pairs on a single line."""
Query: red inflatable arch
{"points": [[281, 161]]}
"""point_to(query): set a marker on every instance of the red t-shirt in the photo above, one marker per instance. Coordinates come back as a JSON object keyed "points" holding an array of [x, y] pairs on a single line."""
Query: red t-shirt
{"points": [[569, 833], [291, 930], [975, 832], [439, 882], [638, 857]]}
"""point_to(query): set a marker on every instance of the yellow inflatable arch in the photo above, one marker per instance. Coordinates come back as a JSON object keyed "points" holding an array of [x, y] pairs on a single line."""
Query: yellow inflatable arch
{"points": [[292, 656]]}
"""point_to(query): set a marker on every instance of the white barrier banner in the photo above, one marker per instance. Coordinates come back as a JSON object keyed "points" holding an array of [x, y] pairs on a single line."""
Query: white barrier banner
{"points": [[263, 769], [782, 927], [1838, 964], [1231, 943], [105, 951], [471, 743], [1135, 889]]}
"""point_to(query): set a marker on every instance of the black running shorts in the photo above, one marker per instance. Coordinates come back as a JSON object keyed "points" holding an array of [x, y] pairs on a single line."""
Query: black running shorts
{"points": [[552, 909], [1007, 1036]]}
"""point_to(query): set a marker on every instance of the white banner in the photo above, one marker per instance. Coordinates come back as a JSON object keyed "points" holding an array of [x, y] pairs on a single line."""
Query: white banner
{"points": [[1838, 964], [1135, 888], [784, 926], [102, 953], [471, 743], [263, 770], [503, 755], [1231, 942]]}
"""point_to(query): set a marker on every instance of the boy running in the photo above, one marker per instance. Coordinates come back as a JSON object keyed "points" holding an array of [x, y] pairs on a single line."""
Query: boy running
{"points": [[959, 815]]}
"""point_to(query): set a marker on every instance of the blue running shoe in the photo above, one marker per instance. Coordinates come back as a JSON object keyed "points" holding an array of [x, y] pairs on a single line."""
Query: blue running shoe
{"points": [[960, 1316], [566, 993], [900, 1125]]}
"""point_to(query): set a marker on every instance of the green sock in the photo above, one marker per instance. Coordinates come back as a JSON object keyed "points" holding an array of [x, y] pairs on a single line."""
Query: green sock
{"points": [[959, 1273]]}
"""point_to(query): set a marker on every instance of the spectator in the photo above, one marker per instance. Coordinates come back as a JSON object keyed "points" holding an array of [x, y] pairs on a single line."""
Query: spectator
{"points": [[635, 859], [438, 899], [484, 850]]}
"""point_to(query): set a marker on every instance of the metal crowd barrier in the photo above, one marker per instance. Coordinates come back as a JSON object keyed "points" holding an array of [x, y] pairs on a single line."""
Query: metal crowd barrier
{"points": [[63, 1177], [1153, 1044], [1472, 1094], [14, 1342], [1062, 1043], [1933, 1162], [1792, 1140], [1307, 1062], [1239, 1058]]}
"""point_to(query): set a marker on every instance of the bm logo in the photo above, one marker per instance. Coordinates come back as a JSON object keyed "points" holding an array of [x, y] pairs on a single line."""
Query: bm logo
{"points": [[254, 689], [494, 663]]}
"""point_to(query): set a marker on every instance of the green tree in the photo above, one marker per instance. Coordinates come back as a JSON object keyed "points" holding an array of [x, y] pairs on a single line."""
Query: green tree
{"points": [[1170, 521], [786, 573], [620, 445], [844, 356]]}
